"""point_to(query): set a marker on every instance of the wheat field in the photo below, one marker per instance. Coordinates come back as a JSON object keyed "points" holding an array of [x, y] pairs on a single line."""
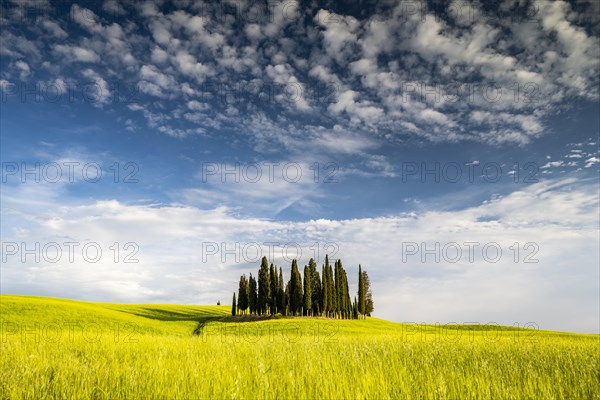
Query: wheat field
{"points": [[64, 349]]}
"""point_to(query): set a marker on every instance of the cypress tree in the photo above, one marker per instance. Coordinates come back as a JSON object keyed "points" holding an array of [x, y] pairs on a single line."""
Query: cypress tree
{"points": [[286, 299], [347, 294], [243, 294], [325, 293], [252, 296], [338, 291], [369, 307], [263, 287], [332, 293], [280, 293], [315, 287], [328, 288], [295, 289], [307, 291], [361, 292], [273, 289], [343, 302], [233, 305]]}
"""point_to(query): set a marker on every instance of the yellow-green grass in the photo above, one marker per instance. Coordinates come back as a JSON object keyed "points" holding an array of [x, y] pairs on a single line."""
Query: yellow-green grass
{"points": [[51, 349]]}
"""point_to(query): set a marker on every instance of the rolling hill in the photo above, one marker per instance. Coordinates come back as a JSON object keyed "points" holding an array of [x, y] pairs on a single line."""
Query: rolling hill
{"points": [[58, 348]]}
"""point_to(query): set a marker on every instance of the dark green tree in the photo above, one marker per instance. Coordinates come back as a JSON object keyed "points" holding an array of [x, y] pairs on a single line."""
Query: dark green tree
{"points": [[286, 299], [295, 289], [332, 293], [369, 306], [243, 294], [252, 295], [273, 289], [307, 302], [315, 288], [233, 306], [325, 292], [329, 293], [280, 294], [361, 292], [337, 289], [264, 289], [345, 304]]}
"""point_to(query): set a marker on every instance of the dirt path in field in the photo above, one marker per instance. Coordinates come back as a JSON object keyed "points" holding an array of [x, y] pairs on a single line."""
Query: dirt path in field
{"points": [[232, 318], [203, 323]]}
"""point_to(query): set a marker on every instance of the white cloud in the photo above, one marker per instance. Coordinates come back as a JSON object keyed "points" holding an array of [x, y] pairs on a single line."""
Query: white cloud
{"points": [[76, 53], [101, 92], [560, 217], [339, 33], [553, 164], [159, 56], [591, 161], [54, 29], [24, 69], [189, 66], [113, 7], [156, 83]]}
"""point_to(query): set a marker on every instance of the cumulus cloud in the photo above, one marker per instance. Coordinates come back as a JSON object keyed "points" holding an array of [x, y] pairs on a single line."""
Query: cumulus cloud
{"points": [[176, 265], [76, 53], [591, 161], [101, 92]]}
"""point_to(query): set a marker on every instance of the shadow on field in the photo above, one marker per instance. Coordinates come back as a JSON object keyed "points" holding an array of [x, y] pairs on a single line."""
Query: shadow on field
{"points": [[163, 315], [169, 315], [250, 318]]}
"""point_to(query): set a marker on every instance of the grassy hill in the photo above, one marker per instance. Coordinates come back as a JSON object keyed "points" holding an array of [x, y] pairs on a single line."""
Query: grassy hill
{"points": [[58, 348]]}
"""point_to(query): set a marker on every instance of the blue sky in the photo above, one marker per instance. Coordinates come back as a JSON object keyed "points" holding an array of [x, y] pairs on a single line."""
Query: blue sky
{"points": [[362, 101]]}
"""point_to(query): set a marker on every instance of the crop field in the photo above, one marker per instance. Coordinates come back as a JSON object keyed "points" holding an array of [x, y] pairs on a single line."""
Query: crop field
{"points": [[56, 348]]}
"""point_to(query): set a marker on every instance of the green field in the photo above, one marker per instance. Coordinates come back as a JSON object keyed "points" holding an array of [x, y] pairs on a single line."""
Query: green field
{"points": [[55, 348]]}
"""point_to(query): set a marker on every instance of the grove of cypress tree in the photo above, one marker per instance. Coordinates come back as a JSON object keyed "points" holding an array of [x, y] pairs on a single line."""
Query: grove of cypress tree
{"points": [[305, 294]]}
